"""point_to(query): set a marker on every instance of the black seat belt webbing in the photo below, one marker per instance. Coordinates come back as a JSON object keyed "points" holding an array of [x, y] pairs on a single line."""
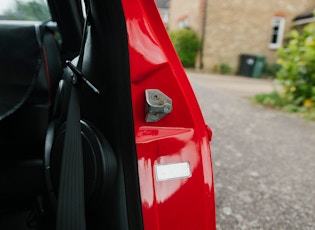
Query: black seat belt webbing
{"points": [[71, 204], [71, 201]]}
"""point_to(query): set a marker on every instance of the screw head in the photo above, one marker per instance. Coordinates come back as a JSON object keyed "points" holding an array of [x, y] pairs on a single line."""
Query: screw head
{"points": [[167, 108]]}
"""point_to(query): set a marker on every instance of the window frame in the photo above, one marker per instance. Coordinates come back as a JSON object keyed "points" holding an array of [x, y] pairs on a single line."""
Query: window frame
{"points": [[278, 26]]}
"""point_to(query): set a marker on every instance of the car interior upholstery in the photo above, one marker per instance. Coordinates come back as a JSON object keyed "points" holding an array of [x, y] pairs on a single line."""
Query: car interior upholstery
{"points": [[34, 93]]}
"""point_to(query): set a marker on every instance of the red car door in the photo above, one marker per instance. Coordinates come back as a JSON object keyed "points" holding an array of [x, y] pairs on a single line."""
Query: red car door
{"points": [[172, 139]]}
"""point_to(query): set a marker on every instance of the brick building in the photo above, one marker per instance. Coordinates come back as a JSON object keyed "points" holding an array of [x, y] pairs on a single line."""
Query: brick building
{"points": [[234, 27]]}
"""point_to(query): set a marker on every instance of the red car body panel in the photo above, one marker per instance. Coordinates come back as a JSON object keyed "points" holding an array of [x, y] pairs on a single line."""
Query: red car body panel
{"points": [[180, 137]]}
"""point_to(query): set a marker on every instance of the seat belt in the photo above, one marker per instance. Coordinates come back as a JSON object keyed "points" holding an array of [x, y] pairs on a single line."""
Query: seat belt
{"points": [[71, 207], [71, 200]]}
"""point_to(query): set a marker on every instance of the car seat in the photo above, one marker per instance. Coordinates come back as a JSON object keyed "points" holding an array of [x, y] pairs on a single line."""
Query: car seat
{"points": [[31, 69]]}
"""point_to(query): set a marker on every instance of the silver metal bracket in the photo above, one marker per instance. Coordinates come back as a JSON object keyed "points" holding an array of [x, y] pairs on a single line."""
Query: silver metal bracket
{"points": [[158, 105]]}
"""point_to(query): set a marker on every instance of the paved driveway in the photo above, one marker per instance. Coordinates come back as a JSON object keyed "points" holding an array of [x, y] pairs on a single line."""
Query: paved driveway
{"points": [[264, 160]]}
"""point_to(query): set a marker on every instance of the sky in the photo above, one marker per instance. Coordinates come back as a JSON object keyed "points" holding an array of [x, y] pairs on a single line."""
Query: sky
{"points": [[5, 4]]}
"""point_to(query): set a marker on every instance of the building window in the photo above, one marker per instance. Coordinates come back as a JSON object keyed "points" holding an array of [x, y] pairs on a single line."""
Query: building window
{"points": [[184, 23], [277, 32]]}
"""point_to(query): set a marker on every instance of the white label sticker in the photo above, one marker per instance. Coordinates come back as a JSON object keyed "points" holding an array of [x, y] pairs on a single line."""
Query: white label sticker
{"points": [[172, 171]]}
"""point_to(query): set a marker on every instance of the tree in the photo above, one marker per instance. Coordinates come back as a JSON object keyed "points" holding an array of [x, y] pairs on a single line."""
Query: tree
{"points": [[32, 11]]}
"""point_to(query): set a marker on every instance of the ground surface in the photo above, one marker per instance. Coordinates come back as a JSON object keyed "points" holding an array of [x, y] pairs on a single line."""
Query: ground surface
{"points": [[264, 160]]}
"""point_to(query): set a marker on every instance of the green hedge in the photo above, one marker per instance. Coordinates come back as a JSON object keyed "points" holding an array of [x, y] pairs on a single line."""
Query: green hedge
{"points": [[186, 43]]}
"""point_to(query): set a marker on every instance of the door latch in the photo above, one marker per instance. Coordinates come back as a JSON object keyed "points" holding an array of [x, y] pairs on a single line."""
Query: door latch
{"points": [[158, 105]]}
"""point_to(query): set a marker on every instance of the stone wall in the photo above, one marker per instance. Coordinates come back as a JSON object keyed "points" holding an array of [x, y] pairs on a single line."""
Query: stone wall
{"points": [[191, 9]]}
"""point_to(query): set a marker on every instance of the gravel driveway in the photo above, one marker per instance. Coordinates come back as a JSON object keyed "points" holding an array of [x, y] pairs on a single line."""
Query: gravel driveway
{"points": [[264, 160]]}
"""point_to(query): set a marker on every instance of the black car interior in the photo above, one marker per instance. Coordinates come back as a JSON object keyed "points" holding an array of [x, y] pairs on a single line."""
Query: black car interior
{"points": [[37, 73]]}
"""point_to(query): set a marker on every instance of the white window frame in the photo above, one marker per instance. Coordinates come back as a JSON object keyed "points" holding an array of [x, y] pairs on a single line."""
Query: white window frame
{"points": [[184, 23], [278, 25]]}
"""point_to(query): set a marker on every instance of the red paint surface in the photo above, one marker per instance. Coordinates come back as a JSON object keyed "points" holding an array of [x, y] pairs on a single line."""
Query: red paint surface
{"points": [[181, 136]]}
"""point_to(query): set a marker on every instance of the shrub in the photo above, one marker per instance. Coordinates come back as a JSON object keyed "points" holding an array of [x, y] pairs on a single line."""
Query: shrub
{"points": [[297, 72], [225, 68], [272, 99], [187, 44], [271, 69]]}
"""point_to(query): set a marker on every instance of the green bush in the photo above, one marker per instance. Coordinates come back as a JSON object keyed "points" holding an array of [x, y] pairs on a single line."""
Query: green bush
{"points": [[186, 43], [272, 99], [297, 72], [271, 69], [277, 101], [225, 68]]}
